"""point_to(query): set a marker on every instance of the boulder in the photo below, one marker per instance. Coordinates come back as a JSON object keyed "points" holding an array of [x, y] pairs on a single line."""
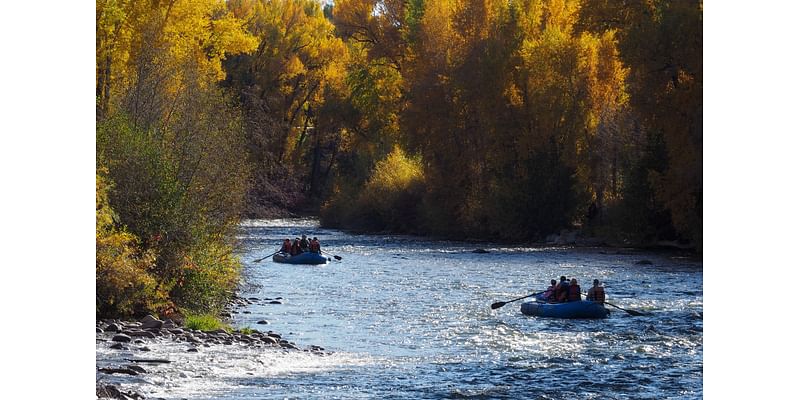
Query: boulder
{"points": [[150, 321], [118, 346], [118, 371], [112, 328], [192, 350], [136, 368], [146, 334], [169, 324], [275, 302], [121, 338], [111, 392], [263, 322]]}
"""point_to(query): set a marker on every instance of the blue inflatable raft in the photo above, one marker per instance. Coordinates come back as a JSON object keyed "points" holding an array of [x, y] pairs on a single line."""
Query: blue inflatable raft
{"points": [[302, 258], [573, 309]]}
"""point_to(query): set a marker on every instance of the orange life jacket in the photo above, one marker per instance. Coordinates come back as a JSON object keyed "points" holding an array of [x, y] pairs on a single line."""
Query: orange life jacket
{"points": [[574, 293], [596, 293]]}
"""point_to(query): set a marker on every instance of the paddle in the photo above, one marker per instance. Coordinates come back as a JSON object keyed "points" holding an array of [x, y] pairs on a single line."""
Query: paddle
{"points": [[259, 260], [334, 255], [631, 312], [502, 303]]}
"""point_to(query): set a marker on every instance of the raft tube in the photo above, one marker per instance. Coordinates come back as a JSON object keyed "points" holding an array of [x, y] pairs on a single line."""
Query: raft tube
{"points": [[573, 309], [302, 258]]}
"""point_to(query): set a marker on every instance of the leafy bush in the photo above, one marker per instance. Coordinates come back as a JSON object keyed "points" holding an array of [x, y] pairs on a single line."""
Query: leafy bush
{"points": [[124, 284], [204, 322], [389, 199]]}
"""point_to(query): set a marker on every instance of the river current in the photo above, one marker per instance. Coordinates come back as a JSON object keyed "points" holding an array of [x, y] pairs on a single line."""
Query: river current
{"points": [[409, 318]]}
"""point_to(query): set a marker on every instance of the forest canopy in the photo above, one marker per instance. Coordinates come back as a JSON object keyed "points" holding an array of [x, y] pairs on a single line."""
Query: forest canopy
{"points": [[503, 120]]}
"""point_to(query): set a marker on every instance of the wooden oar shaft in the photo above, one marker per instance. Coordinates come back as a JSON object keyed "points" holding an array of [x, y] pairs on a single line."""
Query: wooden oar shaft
{"points": [[502, 303], [259, 260], [330, 254]]}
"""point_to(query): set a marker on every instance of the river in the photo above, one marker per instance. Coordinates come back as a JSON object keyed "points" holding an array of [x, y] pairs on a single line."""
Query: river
{"points": [[409, 318]]}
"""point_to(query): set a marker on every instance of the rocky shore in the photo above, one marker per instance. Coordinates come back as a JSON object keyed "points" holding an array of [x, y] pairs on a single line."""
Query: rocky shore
{"points": [[134, 339]]}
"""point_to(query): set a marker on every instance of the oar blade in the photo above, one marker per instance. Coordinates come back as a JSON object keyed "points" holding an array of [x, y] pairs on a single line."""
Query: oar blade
{"points": [[498, 305], [338, 258], [630, 312]]}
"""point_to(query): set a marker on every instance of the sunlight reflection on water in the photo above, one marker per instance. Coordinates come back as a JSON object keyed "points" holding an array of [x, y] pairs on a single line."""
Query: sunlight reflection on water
{"points": [[408, 317]]}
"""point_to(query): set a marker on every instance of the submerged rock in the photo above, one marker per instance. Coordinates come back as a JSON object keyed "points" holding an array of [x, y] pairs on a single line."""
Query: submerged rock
{"points": [[263, 322]]}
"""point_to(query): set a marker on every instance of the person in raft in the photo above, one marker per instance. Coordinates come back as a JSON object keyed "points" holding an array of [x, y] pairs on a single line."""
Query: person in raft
{"points": [[550, 293], [562, 289], [596, 293], [286, 247], [314, 245], [574, 291], [295, 247], [304, 244]]}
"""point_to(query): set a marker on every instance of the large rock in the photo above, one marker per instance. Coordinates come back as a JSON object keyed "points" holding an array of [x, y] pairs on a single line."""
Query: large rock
{"points": [[146, 334], [121, 338], [263, 322], [269, 340], [118, 371], [150, 321], [169, 324], [111, 392], [112, 328]]}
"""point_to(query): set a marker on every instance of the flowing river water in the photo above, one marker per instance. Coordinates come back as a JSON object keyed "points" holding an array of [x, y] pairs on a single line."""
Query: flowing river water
{"points": [[409, 318]]}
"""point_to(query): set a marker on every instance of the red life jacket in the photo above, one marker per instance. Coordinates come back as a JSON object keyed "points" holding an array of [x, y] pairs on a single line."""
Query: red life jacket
{"points": [[314, 245], [574, 293]]}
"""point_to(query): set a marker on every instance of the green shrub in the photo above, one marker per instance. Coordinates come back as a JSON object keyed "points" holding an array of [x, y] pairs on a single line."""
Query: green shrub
{"points": [[388, 200], [204, 322], [179, 198], [123, 281]]}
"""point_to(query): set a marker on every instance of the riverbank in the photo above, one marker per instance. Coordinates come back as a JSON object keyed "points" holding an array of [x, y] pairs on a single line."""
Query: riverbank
{"points": [[146, 348]]}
